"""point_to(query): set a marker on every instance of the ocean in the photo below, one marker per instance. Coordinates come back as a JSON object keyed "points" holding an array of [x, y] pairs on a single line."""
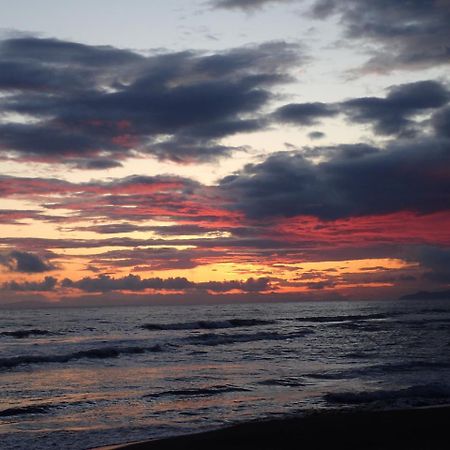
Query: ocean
{"points": [[80, 378]]}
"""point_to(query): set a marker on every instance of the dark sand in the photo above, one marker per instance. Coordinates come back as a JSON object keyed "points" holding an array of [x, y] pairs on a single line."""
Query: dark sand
{"points": [[414, 429]]}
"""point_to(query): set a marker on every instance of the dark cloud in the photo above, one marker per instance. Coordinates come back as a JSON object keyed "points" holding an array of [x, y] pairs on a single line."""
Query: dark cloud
{"points": [[113, 228], [31, 187], [406, 34], [144, 259], [305, 113], [185, 149], [132, 197], [436, 261], [168, 230], [390, 276], [403, 177], [96, 164], [25, 262], [343, 151], [16, 217], [183, 229], [49, 142], [48, 284], [403, 34], [244, 4], [318, 285], [427, 295], [104, 283], [93, 106], [314, 135], [391, 115], [441, 122], [51, 51], [250, 285]]}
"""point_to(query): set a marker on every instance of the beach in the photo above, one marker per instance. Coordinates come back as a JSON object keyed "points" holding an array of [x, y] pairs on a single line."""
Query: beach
{"points": [[419, 428]]}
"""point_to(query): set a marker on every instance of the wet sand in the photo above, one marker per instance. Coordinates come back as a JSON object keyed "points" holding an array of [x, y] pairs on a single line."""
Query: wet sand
{"points": [[421, 428]]}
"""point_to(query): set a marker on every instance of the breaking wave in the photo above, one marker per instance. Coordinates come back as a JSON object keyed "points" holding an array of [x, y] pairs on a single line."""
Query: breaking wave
{"points": [[39, 408], [198, 392], [288, 382], [434, 391], [348, 318], [360, 326], [207, 324], [377, 369], [22, 410], [94, 353], [20, 334], [213, 339]]}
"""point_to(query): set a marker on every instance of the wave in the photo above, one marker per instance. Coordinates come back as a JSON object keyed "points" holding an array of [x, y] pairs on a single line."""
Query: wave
{"points": [[374, 326], [288, 382], [94, 353], [20, 334], [40, 408], [434, 310], [213, 339], [422, 321], [380, 369], [207, 324], [361, 326], [434, 391], [358, 355], [22, 410], [407, 366], [346, 318], [198, 392]]}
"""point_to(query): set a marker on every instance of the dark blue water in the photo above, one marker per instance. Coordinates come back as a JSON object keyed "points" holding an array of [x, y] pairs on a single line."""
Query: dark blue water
{"points": [[80, 378]]}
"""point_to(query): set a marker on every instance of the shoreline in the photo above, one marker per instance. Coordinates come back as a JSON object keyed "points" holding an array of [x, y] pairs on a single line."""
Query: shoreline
{"points": [[413, 429]]}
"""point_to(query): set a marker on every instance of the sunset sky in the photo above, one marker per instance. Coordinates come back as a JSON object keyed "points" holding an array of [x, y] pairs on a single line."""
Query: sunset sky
{"points": [[223, 150]]}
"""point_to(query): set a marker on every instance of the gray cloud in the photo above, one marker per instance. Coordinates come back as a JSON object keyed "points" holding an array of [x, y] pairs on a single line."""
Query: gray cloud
{"points": [[305, 113], [161, 230], [441, 122], [402, 177], [94, 105], [244, 4], [314, 135], [391, 115], [403, 34], [96, 163], [104, 283], [48, 284], [25, 262], [406, 34], [436, 261]]}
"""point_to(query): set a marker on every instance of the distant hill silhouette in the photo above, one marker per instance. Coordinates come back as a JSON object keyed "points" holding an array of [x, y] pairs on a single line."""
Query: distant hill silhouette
{"points": [[427, 295]]}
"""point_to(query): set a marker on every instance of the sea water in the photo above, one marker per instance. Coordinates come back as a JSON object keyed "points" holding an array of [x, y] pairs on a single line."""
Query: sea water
{"points": [[80, 378]]}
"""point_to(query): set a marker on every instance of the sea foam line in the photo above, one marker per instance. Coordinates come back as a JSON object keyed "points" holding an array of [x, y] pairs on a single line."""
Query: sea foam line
{"points": [[94, 353], [207, 324]]}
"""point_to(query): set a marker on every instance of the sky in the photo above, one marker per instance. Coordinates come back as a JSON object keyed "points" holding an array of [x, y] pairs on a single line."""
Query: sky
{"points": [[223, 150]]}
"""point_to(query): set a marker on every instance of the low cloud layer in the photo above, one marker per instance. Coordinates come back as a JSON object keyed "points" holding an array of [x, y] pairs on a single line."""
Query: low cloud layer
{"points": [[46, 285], [105, 283]]}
